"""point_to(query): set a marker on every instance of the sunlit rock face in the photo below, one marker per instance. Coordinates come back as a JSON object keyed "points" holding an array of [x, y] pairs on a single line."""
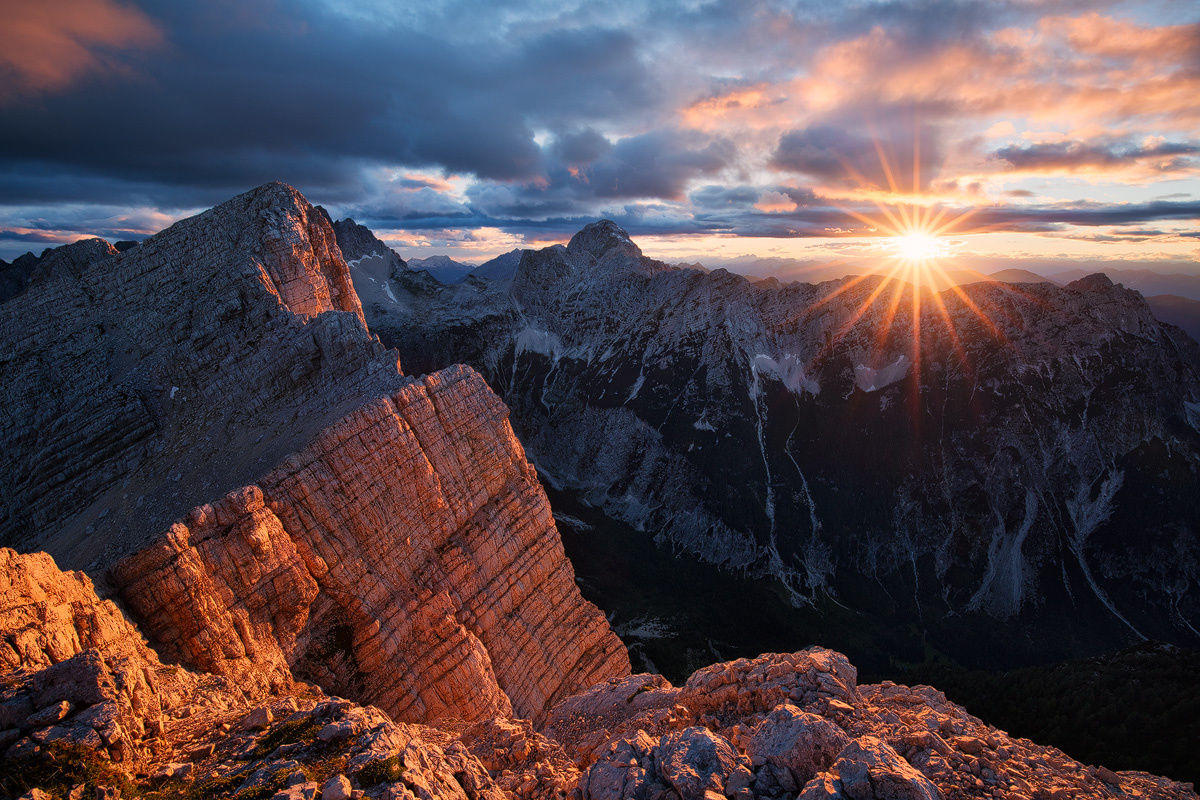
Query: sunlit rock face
{"points": [[205, 425], [799, 725], [88, 709], [1014, 467]]}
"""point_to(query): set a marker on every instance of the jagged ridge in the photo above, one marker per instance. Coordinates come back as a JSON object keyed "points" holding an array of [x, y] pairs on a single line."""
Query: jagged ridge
{"points": [[381, 536], [1001, 480]]}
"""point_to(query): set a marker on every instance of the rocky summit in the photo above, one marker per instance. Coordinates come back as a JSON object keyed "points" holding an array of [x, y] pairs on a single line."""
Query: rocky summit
{"points": [[994, 441], [89, 710], [205, 425], [249, 557]]}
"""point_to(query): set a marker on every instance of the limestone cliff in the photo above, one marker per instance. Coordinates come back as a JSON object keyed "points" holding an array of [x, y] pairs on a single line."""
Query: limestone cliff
{"points": [[206, 426], [469, 593], [87, 709]]}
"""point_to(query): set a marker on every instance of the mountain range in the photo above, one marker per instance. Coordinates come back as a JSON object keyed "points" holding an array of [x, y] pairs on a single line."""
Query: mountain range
{"points": [[994, 443], [251, 552]]}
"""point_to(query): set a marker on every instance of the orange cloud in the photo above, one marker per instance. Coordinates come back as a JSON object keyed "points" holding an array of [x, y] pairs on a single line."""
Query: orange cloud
{"points": [[1084, 72], [710, 112], [47, 46], [1099, 35]]}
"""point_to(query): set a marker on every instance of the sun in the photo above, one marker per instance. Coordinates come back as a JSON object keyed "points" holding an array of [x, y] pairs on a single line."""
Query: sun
{"points": [[918, 266], [919, 247]]}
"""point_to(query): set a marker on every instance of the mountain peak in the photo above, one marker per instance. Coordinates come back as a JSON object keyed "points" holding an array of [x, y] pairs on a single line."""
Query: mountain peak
{"points": [[1094, 282], [599, 237], [277, 192], [356, 241]]}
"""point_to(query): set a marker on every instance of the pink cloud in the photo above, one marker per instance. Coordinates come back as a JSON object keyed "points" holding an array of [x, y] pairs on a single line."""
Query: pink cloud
{"points": [[48, 46]]}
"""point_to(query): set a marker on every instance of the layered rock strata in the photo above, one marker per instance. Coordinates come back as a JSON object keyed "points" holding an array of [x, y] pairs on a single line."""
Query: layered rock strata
{"points": [[469, 594], [205, 425], [88, 709]]}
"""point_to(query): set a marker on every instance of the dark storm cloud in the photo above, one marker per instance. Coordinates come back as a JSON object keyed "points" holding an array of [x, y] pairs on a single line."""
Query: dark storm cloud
{"points": [[1076, 155], [656, 164], [576, 148], [584, 171], [1090, 214], [861, 154], [716, 196], [311, 99]]}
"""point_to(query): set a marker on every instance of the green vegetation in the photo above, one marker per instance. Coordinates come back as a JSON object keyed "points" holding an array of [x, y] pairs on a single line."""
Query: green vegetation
{"points": [[386, 770], [300, 730], [60, 767]]}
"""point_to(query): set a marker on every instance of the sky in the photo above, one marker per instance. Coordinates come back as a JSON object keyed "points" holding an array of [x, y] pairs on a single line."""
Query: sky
{"points": [[1047, 133]]}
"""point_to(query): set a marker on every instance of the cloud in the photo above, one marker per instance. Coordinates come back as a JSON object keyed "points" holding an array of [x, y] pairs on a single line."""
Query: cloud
{"points": [[657, 164], [583, 172], [46, 47], [863, 156], [316, 100], [1075, 156], [738, 117]]}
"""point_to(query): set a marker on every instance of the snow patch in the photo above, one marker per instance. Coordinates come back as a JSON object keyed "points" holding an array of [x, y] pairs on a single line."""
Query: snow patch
{"points": [[637, 385], [535, 340], [645, 628], [1004, 581], [872, 380], [574, 522], [788, 369], [1193, 413], [1087, 511]]}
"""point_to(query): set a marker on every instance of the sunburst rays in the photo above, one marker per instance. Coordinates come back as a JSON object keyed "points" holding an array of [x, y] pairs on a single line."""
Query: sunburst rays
{"points": [[918, 259]]}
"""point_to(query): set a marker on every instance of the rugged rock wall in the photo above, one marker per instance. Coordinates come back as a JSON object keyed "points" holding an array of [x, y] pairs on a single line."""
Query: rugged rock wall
{"points": [[1015, 467], [337, 521], [425, 592], [87, 709]]}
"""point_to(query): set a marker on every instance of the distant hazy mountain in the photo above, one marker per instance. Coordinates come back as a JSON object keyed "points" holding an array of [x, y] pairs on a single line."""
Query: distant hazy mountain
{"points": [[1181, 311], [1148, 282], [790, 269], [444, 268], [1015, 275], [501, 268]]}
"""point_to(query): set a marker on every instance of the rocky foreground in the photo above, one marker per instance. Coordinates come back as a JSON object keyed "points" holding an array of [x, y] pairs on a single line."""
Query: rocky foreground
{"points": [[87, 709], [338, 580]]}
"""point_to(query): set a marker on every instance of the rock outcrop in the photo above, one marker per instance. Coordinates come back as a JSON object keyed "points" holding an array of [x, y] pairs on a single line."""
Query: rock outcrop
{"points": [[74, 671], [799, 725], [205, 425], [88, 709]]}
